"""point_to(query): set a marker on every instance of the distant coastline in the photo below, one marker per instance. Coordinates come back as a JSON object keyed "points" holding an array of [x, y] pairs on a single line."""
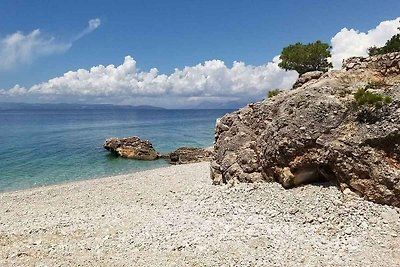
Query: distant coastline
{"points": [[230, 105], [62, 106]]}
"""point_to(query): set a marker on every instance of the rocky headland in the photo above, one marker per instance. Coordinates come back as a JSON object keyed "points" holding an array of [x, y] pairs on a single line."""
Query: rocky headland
{"points": [[319, 132]]}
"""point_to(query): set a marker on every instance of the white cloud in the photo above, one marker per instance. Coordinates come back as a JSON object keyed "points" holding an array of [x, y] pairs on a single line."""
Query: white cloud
{"points": [[348, 43], [92, 25], [17, 90], [211, 80], [19, 48]]}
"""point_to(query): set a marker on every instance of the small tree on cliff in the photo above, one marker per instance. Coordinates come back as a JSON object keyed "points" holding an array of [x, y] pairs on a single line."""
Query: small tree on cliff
{"points": [[392, 45], [306, 57]]}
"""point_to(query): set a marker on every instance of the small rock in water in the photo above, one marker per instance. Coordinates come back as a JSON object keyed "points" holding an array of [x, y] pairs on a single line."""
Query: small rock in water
{"points": [[185, 155], [132, 148]]}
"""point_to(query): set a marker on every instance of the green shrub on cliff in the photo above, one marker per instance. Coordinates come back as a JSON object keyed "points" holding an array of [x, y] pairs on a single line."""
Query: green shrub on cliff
{"points": [[306, 57], [392, 45], [366, 98], [273, 93]]}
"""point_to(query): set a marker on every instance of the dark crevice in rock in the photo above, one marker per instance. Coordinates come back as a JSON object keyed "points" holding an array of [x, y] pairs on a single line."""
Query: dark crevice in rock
{"points": [[371, 115], [390, 144]]}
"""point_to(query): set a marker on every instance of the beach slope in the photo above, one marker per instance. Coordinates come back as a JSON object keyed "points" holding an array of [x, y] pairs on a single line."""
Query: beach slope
{"points": [[173, 216]]}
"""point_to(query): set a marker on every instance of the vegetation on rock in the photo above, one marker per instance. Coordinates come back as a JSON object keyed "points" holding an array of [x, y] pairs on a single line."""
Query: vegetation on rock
{"points": [[392, 45], [364, 97], [273, 93], [306, 57]]}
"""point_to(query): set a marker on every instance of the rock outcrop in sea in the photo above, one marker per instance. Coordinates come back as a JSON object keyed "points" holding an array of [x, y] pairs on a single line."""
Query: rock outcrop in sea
{"points": [[135, 148], [131, 148], [317, 132], [185, 155]]}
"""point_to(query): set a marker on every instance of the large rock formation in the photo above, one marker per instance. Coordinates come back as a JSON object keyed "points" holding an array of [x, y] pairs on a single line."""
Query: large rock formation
{"points": [[132, 148], [317, 132]]}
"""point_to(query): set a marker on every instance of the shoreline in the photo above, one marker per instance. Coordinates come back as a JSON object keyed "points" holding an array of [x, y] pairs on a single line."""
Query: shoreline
{"points": [[81, 179], [67, 182], [174, 216]]}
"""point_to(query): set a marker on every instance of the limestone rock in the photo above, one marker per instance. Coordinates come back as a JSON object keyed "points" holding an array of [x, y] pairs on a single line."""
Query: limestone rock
{"points": [[384, 64], [186, 155], [316, 132], [306, 77], [132, 148]]}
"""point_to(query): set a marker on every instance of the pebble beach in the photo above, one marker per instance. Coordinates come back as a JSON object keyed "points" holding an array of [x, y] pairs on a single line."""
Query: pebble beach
{"points": [[174, 216]]}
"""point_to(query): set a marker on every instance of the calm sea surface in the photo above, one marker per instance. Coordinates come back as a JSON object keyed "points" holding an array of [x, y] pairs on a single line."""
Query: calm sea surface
{"points": [[42, 147]]}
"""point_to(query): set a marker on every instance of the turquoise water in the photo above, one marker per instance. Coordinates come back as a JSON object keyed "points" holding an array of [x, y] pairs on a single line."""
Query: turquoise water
{"points": [[42, 147]]}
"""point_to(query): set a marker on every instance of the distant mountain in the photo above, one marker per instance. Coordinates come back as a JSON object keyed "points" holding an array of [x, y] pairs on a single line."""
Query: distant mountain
{"points": [[227, 105], [63, 106]]}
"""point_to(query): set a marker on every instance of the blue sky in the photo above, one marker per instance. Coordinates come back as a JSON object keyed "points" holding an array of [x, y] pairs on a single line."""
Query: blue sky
{"points": [[174, 34]]}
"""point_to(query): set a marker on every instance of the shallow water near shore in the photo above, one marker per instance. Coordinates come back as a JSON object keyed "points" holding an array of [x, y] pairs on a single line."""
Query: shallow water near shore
{"points": [[42, 147]]}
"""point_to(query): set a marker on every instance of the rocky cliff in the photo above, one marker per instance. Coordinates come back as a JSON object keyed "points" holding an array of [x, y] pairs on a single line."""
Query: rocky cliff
{"points": [[318, 132]]}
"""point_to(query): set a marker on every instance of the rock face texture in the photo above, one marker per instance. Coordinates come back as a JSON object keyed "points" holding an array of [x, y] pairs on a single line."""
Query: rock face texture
{"points": [[186, 155], [306, 77], [132, 148], [317, 132], [387, 64]]}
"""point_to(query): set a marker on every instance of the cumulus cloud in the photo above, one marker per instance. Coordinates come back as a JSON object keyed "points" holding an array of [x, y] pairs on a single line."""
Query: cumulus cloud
{"points": [[350, 42], [211, 80], [19, 48]]}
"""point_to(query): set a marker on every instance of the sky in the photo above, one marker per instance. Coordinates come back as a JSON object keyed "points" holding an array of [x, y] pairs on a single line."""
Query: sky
{"points": [[175, 54]]}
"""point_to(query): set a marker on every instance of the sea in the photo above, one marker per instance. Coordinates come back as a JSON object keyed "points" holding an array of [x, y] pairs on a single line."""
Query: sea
{"points": [[53, 146]]}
